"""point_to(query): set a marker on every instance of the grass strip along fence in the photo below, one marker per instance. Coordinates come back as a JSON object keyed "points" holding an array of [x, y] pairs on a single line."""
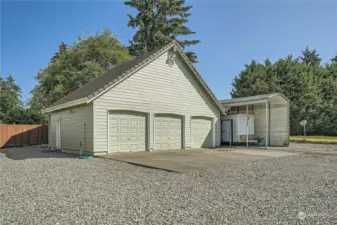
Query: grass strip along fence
{"points": [[314, 139]]}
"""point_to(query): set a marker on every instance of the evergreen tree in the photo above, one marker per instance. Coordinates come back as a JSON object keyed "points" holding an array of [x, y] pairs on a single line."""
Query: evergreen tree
{"points": [[62, 50], [10, 95], [159, 22], [311, 88], [334, 59], [310, 57]]}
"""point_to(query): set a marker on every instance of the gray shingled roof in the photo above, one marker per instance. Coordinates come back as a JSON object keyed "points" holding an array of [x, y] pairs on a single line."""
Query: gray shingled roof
{"points": [[103, 80]]}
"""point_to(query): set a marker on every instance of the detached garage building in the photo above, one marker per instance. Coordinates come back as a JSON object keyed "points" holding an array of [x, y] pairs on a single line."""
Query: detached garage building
{"points": [[159, 101], [156, 101]]}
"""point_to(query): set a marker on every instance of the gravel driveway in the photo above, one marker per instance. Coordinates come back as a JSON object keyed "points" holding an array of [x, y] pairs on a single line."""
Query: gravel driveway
{"points": [[54, 188]]}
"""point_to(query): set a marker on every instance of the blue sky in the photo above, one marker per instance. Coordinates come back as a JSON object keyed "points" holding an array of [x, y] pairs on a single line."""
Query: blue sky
{"points": [[233, 32]]}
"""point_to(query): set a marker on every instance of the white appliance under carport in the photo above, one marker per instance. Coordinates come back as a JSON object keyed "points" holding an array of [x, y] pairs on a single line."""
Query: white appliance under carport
{"points": [[236, 127], [261, 119]]}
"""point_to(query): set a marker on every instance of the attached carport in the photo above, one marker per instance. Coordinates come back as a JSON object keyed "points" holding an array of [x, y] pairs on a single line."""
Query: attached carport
{"points": [[261, 120]]}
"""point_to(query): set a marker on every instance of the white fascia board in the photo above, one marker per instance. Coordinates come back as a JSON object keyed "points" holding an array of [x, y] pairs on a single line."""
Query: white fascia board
{"points": [[244, 103], [65, 105]]}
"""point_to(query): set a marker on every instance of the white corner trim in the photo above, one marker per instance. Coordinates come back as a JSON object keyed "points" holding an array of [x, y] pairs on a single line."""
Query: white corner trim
{"points": [[65, 105]]}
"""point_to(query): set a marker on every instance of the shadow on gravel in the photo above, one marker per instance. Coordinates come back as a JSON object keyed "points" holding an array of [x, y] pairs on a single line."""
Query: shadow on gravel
{"points": [[31, 152]]}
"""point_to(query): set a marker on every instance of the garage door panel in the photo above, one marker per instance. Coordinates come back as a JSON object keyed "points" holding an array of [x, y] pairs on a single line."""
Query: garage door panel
{"points": [[141, 130], [168, 132], [141, 139], [127, 131], [114, 121], [113, 147], [134, 122], [114, 138], [124, 130], [164, 130], [174, 146], [134, 130], [123, 138], [113, 130], [157, 138], [124, 122], [165, 146], [124, 147], [134, 147], [201, 133]]}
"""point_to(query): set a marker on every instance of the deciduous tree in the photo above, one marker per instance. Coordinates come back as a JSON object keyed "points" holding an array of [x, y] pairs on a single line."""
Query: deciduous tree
{"points": [[74, 65]]}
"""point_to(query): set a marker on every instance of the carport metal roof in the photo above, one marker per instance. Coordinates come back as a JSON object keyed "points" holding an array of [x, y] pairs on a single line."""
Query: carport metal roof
{"points": [[253, 99]]}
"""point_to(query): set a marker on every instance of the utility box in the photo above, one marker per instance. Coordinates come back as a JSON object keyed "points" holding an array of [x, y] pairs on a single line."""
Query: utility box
{"points": [[235, 128]]}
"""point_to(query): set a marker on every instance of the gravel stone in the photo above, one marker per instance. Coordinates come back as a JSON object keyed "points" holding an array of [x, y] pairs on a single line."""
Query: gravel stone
{"points": [[56, 188]]}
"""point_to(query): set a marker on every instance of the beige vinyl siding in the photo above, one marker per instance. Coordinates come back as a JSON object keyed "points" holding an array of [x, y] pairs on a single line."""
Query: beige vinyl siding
{"points": [[72, 128], [260, 120], [156, 88], [279, 121]]}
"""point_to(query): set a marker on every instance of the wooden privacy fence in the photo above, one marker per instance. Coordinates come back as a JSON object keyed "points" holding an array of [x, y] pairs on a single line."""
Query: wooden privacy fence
{"points": [[20, 135]]}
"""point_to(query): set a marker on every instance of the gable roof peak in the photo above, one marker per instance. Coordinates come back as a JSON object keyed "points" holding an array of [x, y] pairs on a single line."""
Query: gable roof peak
{"points": [[112, 77]]}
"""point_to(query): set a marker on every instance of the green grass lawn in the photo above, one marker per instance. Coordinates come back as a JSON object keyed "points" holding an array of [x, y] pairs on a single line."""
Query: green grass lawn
{"points": [[328, 139]]}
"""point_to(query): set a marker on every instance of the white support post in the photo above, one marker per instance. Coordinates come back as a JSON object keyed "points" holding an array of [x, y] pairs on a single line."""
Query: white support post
{"points": [[247, 126], [267, 124], [213, 132], [230, 120], [151, 133]]}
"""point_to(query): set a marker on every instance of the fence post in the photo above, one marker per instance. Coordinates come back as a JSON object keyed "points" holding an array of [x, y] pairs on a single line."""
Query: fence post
{"points": [[28, 137], [15, 136]]}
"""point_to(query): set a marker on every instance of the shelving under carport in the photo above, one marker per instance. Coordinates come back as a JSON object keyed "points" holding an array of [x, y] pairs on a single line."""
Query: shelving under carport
{"points": [[261, 120]]}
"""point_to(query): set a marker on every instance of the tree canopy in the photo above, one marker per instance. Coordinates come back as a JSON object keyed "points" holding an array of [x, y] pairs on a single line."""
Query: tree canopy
{"points": [[158, 22], [74, 65], [311, 88], [11, 107]]}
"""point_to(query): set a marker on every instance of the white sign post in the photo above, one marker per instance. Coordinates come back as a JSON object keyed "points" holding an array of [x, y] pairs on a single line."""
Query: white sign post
{"points": [[303, 123]]}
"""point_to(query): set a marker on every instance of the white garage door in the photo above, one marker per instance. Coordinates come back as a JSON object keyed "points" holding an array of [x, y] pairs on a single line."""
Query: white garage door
{"points": [[201, 133], [126, 131], [167, 132]]}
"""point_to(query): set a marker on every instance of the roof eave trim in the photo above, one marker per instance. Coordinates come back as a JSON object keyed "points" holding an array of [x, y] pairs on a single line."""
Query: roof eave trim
{"points": [[231, 104], [282, 95], [96, 94], [65, 105]]}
